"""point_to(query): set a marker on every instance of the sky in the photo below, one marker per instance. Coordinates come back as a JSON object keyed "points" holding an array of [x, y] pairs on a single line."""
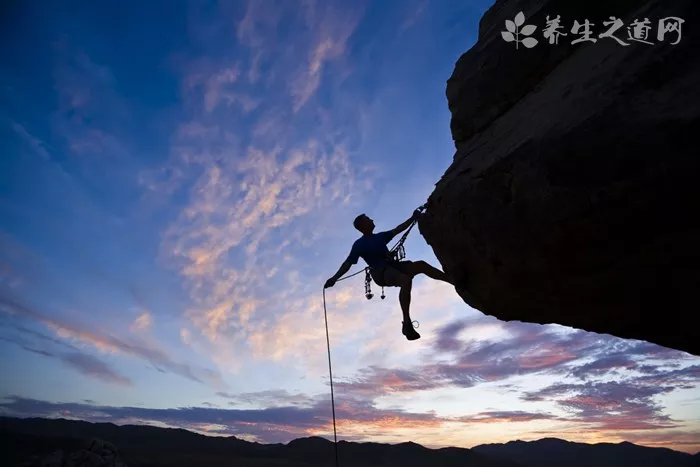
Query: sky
{"points": [[179, 179]]}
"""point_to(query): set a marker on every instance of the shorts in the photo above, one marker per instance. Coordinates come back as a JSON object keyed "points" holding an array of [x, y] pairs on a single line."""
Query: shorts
{"points": [[390, 275]]}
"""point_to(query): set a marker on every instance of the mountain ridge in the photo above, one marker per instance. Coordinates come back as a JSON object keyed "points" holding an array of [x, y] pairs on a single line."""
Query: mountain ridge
{"points": [[149, 446], [551, 452]]}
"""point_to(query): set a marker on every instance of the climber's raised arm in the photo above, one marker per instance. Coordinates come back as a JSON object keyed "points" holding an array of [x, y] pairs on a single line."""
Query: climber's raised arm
{"points": [[405, 224]]}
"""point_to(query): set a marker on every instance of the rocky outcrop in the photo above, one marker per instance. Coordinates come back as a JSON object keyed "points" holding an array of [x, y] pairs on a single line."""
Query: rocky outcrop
{"points": [[97, 453], [573, 195]]}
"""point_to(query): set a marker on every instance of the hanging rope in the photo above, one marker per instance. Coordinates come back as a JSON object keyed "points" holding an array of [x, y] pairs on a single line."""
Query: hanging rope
{"points": [[397, 253], [330, 372]]}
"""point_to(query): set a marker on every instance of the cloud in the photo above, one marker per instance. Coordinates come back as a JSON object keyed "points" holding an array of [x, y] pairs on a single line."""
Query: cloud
{"points": [[246, 214], [617, 355], [447, 337], [258, 31], [673, 439], [39, 147], [685, 377], [301, 49], [214, 87], [252, 205], [604, 365], [331, 30], [217, 85], [185, 336], [269, 398], [611, 405], [92, 366], [69, 355], [143, 322], [108, 343], [535, 349], [466, 358], [516, 416], [375, 381]]}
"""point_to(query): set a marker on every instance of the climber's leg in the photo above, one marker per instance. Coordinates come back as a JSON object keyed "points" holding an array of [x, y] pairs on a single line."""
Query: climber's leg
{"points": [[421, 267], [406, 285], [405, 302], [393, 277]]}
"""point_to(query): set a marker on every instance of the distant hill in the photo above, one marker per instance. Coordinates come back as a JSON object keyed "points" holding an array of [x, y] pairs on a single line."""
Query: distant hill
{"points": [[145, 446], [553, 452]]}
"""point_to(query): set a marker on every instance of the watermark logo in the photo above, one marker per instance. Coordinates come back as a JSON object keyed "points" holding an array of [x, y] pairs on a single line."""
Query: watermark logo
{"points": [[637, 31], [514, 31]]}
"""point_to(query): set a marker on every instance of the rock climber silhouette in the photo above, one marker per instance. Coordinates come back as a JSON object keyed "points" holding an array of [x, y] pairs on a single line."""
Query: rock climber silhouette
{"points": [[386, 271]]}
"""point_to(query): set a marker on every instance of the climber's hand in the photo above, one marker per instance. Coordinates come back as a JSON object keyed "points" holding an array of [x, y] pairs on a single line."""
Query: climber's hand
{"points": [[329, 283]]}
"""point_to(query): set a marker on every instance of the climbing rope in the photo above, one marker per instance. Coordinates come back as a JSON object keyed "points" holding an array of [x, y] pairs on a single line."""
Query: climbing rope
{"points": [[330, 373], [397, 253]]}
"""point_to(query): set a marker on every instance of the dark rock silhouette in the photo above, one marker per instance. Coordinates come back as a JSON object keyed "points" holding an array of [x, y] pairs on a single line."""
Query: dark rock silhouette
{"points": [[145, 446], [96, 453], [574, 191]]}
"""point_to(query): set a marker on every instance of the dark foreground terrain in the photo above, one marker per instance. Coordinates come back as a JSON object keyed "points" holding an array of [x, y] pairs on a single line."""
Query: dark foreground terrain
{"points": [[144, 446]]}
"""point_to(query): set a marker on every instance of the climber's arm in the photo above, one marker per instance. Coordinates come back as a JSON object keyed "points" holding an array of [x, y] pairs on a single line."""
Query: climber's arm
{"points": [[345, 267], [404, 225], [352, 258]]}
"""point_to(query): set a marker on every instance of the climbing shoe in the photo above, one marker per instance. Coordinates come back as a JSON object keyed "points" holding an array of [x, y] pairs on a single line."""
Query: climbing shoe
{"points": [[408, 331]]}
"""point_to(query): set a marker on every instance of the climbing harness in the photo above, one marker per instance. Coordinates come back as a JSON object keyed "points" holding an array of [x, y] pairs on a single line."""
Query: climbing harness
{"points": [[397, 253]]}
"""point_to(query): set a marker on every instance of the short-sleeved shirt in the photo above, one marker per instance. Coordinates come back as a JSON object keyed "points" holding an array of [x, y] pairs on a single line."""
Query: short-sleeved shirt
{"points": [[371, 248]]}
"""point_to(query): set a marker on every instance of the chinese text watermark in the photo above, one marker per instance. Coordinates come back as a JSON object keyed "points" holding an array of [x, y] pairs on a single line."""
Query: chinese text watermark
{"points": [[639, 31]]}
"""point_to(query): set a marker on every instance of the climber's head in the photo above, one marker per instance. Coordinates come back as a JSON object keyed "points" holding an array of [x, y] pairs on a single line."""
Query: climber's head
{"points": [[364, 224]]}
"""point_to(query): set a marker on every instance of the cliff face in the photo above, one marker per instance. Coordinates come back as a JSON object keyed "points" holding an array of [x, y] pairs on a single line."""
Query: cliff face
{"points": [[573, 197]]}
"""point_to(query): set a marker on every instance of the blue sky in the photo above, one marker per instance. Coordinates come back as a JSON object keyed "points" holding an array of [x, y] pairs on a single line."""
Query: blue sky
{"points": [[178, 180]]}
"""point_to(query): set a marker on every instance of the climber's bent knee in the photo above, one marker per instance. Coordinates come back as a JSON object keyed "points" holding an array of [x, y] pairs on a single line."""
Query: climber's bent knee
{"points": [[420, 266], [412, 268]]}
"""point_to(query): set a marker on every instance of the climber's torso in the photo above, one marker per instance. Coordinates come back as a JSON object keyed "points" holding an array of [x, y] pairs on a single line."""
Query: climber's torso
{"points": [[372, 249]]}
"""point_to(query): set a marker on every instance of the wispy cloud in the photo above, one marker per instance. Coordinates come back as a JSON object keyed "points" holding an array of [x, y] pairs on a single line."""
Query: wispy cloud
{"points": [[235, 206], [332, 31], [610, 405], [92, 366], [252, 202], [374, 381], [507, 417], [258, 31], [142, 322], [106, 342], [38, 146], [69, 355], [269, 398]]}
